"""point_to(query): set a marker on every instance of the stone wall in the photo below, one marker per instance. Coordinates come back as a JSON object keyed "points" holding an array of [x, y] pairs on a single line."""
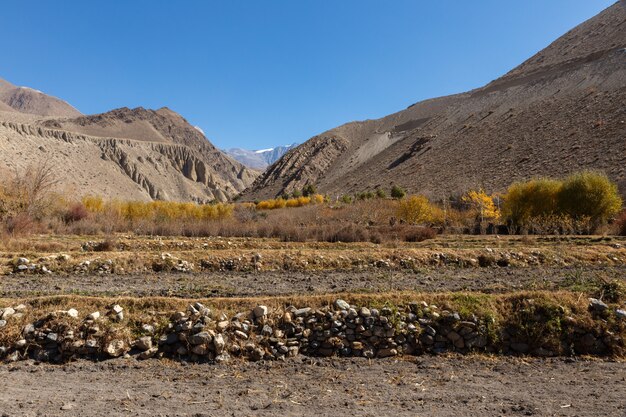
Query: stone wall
{"points": [[417, 328]]}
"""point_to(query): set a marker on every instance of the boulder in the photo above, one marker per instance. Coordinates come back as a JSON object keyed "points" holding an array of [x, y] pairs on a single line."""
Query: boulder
{"points": [[260, 311], [116, 348], [597, 305], [144, 343]]}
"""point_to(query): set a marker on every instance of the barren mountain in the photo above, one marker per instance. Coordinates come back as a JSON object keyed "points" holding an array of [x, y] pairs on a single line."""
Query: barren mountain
{"points": [[127, 154], [27, 100], [560, 111]]}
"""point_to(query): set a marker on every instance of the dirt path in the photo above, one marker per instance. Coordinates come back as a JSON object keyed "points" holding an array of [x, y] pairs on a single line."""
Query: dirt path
{"points": [[237, 284], [441, 386]]}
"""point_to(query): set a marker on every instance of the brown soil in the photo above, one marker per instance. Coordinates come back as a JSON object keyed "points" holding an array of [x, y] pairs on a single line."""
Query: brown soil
{"points": [[442, 386], [278, 283]]}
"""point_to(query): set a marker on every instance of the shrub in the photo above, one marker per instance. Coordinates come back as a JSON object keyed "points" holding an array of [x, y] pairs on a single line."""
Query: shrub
{"points": [[415, 210], [21, 223], [291, 202], [158, 211], [589, 194], [106, 245], [93, 204], [486, 261], [419, 234], [309, 190], [554, 224], [397, 192], [346, 199], [318, 198], [380, 193], [621, 224], [298, 202], [76, 212], [612, 291], [26, 196], [349, 234]]}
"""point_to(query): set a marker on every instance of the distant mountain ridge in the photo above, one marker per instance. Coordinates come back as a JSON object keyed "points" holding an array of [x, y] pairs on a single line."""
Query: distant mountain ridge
{"points": [[126, 154], [31, 101], [259, 159]]}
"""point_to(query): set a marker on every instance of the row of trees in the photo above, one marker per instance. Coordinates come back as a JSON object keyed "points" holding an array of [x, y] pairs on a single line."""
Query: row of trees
{"points": [[579, 203], [583, 195]]}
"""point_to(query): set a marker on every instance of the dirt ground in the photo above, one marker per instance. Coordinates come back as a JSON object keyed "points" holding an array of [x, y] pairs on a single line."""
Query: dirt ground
{"points": [[236, 284], [442, 386]]}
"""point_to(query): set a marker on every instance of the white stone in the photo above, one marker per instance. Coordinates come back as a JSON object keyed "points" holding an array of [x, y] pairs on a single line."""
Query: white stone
{"points": [[148, 353], [6, 313], [219, 343], [94, 316], [116, 348]]}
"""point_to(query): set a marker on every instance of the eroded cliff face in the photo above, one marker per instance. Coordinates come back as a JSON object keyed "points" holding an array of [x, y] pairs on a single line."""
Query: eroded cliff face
{"points": [[301, 166], [125, 168]]}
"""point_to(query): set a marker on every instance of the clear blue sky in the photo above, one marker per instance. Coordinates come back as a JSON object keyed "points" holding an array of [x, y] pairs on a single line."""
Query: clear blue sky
{"points": [[256, 74]]}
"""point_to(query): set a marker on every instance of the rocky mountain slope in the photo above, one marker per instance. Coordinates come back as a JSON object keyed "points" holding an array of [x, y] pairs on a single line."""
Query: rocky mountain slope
{"points": [[128, 154], [27, 100], [560, 111], [259, 159]]}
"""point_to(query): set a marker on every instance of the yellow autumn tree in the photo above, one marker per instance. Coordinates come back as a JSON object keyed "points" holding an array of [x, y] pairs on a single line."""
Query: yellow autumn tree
{"points": [[415, 210], [482, 203]]}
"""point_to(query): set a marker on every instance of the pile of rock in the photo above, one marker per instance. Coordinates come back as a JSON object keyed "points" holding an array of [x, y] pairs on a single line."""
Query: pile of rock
{"points": [[25, 266], [169, 263], [61, 336], [7, 313]]}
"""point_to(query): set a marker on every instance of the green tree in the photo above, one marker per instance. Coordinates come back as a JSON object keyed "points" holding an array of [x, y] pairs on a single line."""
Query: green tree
{"points": [[531, 199], [591, 194]]}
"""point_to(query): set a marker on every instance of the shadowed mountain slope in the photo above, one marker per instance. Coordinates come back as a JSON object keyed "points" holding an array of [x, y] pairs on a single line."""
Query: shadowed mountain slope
{"points": [[27, 100]]}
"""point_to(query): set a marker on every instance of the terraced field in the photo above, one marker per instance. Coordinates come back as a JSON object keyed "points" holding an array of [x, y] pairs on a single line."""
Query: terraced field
{"points": [[451, 326]]}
